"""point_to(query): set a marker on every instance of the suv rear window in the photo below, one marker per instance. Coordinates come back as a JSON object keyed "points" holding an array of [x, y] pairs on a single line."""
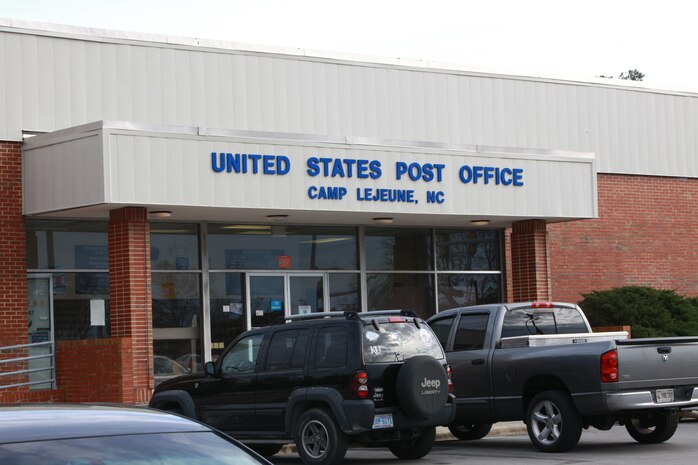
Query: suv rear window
{"points": [[397, 341]]}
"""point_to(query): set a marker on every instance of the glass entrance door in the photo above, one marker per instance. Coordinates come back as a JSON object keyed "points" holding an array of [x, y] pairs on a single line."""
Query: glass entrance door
{"points": [[267, 296], [40, 309], [271, 296]]}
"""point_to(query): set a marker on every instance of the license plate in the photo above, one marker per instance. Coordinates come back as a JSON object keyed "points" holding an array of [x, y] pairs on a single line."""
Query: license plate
{"points": [[383, 420], [664, 395]]}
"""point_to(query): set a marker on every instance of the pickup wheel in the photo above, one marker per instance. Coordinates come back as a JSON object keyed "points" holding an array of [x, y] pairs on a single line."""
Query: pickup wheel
{"points": [[413, 449], [319, 441], [470, 432], [553, 422], [653, 429]]}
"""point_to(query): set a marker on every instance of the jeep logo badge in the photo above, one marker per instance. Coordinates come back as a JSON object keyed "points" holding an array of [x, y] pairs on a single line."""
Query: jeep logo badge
{"points": [[431, 383], [665, 358]]}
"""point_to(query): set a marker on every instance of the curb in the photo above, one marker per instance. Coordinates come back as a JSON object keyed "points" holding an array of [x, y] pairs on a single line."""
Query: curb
{"points": [[507, 428]]}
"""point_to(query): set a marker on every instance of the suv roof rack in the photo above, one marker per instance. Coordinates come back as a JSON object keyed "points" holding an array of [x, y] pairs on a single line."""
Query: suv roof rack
{"points": [[349, 315], [317, 316], [371, 313]]}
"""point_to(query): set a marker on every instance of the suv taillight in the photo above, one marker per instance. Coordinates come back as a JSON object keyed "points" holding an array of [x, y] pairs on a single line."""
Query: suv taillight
{"points": [[359, 384], [609, 367], [449, 375]]}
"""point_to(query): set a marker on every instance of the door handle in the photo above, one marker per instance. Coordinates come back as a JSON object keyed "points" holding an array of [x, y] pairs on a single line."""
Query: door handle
{"points": [[478, 361]]}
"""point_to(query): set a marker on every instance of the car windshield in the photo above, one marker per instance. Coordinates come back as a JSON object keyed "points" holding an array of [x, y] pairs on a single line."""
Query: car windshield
{"points": [[194, 448], [399, 340]]}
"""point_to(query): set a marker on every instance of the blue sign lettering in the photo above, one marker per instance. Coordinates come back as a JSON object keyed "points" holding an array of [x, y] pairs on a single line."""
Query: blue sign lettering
{"points": [[242, 163], [416, 171], [490, 174], [344, 168]]}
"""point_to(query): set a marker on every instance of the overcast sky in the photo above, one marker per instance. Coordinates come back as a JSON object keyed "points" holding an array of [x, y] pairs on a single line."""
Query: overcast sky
{"points": [[581, 38]]}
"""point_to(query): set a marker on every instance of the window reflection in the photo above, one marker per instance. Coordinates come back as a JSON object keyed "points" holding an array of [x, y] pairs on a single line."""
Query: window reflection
{"points": [[174, 246], [467, 250], [282, 247], [398, 249], [72, 302], [462, 290], [68, 245], [404, 291], [228, 313], [344, 292]]}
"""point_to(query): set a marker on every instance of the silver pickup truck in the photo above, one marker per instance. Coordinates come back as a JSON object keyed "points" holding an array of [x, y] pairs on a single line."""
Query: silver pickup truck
{"points": [[540, 362]]}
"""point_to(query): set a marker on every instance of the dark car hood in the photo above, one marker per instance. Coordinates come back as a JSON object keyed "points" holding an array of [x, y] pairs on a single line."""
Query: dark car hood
{"points": [[180, 381]]}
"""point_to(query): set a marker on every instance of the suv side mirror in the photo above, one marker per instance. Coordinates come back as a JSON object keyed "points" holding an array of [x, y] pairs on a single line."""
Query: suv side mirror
{"points": [[210, 368]]}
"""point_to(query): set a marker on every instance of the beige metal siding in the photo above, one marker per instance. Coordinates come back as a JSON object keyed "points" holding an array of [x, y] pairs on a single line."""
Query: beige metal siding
{"points": [[51, 83]]}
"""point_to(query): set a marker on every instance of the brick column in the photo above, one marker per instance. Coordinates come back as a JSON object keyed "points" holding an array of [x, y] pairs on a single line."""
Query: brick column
{"points": [[13, 272], [130, 300], [13, 268], [529, 261]]}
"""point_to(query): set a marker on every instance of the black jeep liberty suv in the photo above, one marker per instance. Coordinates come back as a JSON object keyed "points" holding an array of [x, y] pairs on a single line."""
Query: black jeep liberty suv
{"points": [[323, 381]]}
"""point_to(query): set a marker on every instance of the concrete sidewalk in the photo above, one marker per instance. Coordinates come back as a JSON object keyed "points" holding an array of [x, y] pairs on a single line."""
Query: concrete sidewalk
{"points": [[505, 428]]}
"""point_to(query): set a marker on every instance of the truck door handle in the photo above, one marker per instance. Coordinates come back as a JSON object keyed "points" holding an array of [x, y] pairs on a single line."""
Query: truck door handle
{"points": [[478, 361], [664, 350]]}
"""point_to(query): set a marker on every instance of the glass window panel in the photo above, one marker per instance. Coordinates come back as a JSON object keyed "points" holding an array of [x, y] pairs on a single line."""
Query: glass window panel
{"points": [[471, 332], [176, 300], [408, 291], [228, 312], [282, 247], [442, 329], [468, 250], [307, 294], [287, 350], [345, 292], [70, 245], [462, 290], [175, 357], [72, 303], [398, 249], [525, 321], [242, 357], [331, 348], [174, 246]]}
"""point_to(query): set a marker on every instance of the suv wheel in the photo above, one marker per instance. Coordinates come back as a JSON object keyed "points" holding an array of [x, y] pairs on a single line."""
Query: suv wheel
{"points": [[417, 448], [319, 441]]}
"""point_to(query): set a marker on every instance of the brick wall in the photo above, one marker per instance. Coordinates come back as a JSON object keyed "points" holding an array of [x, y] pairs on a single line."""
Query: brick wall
{"points": [[646, 235], [95, 370], [130, 295]]}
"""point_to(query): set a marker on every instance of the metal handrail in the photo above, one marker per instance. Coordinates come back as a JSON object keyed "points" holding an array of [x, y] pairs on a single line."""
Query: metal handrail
{"points": [[51, 368]]}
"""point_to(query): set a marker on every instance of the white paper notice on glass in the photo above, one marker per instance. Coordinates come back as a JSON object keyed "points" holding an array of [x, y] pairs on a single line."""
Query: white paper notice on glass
{"points": [[304, 309], [97, 314], [226, 308]]}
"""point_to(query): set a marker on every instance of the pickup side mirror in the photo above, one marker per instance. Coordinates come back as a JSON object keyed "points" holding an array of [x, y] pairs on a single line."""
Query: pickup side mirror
{"points": [[210, 368]]}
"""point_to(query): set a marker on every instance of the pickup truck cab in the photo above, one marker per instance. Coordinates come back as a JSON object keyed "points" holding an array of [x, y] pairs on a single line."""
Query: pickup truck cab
{"points": [[541, 363]]}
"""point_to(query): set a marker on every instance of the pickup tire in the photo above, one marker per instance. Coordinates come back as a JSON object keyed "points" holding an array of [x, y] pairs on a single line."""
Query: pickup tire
{"points": [[413, 449], [470, 432], [553, 422], [654, 429], [319, 441]]}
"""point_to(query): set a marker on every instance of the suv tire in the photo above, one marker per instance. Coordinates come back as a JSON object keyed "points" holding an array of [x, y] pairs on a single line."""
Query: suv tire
{"points": [[319, 441], [413, 449], [422, 386]]}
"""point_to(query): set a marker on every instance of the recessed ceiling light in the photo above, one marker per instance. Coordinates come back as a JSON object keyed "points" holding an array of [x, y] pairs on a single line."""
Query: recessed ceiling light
{"points": [[383, 220], [480, 222], [277, 217], [160, 214]]}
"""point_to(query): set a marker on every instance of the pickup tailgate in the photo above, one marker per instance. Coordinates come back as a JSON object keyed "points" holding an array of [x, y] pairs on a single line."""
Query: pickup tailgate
{"points": [[647, 363]]}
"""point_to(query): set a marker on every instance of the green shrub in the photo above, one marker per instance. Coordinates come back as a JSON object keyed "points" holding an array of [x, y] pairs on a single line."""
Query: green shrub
{"points": [[650, 312]]}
